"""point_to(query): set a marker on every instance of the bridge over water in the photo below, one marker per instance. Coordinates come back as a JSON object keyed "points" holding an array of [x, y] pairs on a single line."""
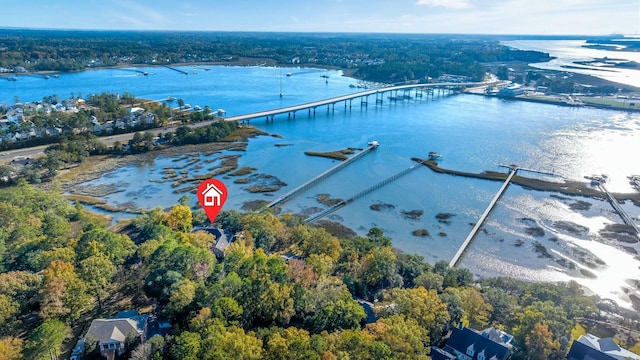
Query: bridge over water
{"points": [[362, 95]]}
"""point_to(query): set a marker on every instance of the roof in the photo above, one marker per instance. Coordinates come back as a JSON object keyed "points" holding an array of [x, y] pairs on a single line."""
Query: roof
{"points": [[463, 339], [116, 330], [591, 347]]}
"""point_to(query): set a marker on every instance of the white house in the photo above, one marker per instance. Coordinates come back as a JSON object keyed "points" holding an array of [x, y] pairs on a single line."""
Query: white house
{"points": [[212, 195]]}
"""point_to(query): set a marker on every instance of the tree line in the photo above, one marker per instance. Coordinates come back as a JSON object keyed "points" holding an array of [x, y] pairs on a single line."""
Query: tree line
{"points": [[284, 290], [375, 57]]}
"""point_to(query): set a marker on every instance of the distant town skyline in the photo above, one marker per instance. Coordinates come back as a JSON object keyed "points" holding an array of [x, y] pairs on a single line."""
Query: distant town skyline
{"points": [[535, 17]]}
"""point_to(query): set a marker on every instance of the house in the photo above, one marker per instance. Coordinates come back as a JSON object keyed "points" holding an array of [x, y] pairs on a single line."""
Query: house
{"points": [[111, 335], [591, 347], [211, 195], [468, 344], [224, 238]]}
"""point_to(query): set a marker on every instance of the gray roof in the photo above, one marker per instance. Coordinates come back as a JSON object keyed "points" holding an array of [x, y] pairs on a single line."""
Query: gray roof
{"points": [[115, 330]]}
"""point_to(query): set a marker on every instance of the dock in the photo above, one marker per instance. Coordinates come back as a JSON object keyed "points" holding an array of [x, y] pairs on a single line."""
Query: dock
{"points": [[297, 191], [456, 258], [176, 69], [362, 193], [618, 208]]}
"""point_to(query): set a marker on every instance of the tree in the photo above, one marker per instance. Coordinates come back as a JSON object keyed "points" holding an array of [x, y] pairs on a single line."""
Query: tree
{"points": [[430, 281], [46, 339], [180, 218], [232, 344], [476, 310], [405, 337], [186, 346], [182, 295], [540, 343], [379, 268], [11, 348], [8, 310], [422, 305], [63, 293], [97, 271], [100, 241]]}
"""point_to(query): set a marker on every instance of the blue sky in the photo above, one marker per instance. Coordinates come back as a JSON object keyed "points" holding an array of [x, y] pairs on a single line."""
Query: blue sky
{"points": [[589, 17]]}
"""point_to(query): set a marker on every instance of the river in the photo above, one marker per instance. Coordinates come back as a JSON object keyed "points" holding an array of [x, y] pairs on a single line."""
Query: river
{"points": [[526, 235], [568, 52]]}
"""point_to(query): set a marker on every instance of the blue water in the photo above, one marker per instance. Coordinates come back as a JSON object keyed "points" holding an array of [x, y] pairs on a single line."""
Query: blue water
{"points": [[473, 133]]}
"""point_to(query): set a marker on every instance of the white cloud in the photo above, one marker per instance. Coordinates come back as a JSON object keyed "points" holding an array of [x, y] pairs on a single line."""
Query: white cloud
{"points": [[450, 4]]}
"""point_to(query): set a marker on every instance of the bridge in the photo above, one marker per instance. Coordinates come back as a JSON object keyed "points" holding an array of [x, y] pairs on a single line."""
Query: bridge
{"points": [[362, 95], [293, 193], [362, 193]]}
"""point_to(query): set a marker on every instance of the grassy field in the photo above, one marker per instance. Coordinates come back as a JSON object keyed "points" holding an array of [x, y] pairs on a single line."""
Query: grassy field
{"points": [[612, 102]]}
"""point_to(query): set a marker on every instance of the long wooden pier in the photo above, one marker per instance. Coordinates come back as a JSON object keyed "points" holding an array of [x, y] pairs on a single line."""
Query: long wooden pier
{"points": [[176, 69], [456, 258], [293, 193], [623, 214], [362, 193]]}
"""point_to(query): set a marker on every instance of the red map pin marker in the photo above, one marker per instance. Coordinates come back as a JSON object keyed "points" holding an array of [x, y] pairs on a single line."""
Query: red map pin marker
{"points": [[211, 195]]}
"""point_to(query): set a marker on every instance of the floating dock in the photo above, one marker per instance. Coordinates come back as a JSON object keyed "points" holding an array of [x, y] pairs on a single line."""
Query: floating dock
{"points": [[456, 258], [297, 191]]}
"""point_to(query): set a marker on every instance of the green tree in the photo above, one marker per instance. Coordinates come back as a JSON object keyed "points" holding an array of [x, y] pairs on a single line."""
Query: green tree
{"points": [[8, 310], [97, 272], [45, 341], [186, 346]]}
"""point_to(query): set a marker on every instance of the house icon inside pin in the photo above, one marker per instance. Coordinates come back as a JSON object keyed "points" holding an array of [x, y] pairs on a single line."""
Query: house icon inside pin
{"points": [[211, 195]]}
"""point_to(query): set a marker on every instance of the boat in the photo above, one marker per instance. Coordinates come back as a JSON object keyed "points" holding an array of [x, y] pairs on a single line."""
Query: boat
{"points": [[373, 143], [325, 76], [434, 155], [289, 74]]}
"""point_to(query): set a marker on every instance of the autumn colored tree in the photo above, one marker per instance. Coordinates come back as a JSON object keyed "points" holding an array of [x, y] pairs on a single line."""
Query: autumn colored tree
{"points": [[11, 348], [476, 310], [424, 306], [541, 343], [63, 293], [404, 336], [180, 218]]}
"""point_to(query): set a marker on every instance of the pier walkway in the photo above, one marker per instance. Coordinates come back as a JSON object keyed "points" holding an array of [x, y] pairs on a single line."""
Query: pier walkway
{"points": [[362, 193], [623, 214], [456, 258], [293, 193], [176, 69]]}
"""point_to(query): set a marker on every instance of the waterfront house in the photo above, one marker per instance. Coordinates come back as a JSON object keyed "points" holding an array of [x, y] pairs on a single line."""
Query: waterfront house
{"points": [[468, 344], [111, 335], [591, 347]]}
